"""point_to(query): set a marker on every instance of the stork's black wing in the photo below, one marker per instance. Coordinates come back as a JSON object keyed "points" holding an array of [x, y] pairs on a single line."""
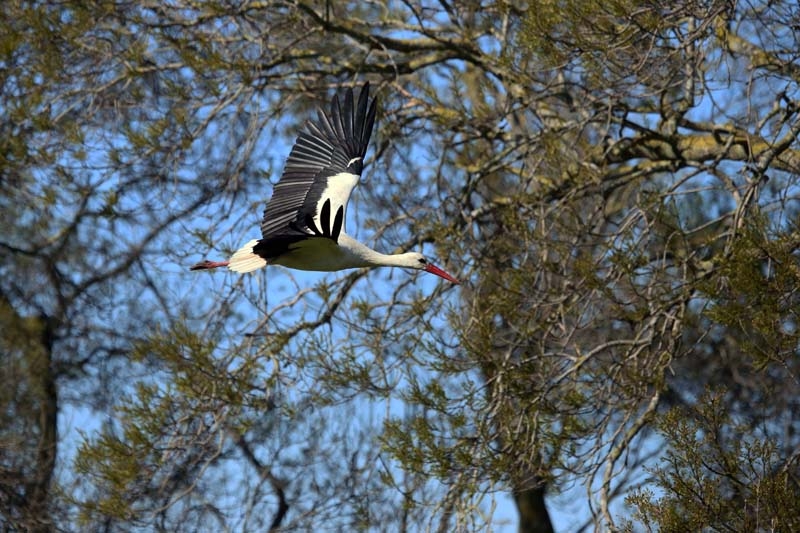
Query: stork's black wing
{"points": [[322, 169]]}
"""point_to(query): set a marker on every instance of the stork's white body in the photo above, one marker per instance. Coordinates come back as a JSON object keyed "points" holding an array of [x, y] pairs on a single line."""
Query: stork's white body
{"points": [[321, 255], [303, 224], [328, 256]]}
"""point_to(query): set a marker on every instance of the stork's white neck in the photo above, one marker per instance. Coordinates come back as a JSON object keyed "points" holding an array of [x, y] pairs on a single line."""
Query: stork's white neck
{"points": [[369, 257]]}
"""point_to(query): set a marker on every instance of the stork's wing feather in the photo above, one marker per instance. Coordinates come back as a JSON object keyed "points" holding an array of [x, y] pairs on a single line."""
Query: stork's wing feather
{"points": [[323, 166]]}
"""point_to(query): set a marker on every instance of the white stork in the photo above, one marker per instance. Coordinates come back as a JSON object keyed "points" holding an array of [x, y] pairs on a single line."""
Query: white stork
{"points": [[303, 225]]}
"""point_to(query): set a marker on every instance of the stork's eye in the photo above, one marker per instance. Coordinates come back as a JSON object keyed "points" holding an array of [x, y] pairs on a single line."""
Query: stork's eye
{"points": [[422, 261]]}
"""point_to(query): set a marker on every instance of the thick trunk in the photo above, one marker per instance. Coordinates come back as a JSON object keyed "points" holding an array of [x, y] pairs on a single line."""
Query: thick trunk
{"points": [[43, 380], [533, 515], [29, 346]]}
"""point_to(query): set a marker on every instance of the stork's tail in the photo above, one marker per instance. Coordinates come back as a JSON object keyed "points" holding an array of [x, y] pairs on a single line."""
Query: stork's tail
{"points": [[245, 260]]}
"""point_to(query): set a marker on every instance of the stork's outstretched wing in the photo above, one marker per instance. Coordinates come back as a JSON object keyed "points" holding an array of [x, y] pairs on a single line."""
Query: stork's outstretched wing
{"points": [[322, 169]]}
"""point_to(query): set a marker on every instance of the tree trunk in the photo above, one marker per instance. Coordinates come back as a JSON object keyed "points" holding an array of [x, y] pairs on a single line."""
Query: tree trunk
{"points": [[533, 515], [43, 380], [31, 469]]}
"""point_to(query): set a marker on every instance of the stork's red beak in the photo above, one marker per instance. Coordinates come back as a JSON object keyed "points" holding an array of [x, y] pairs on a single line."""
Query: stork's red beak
{"points": [[441, 273]]}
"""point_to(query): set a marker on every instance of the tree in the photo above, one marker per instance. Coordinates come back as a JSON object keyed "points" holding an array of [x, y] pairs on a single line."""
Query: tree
{"points": [[616, 184]]}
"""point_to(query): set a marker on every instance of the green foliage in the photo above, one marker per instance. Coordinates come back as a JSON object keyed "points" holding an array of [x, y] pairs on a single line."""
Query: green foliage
{"points": [[604, 38], [719, 474], [756, 294], [170, 427]]}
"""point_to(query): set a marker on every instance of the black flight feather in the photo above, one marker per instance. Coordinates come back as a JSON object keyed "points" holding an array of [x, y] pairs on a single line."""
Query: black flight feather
{"points": [[324, 149]]}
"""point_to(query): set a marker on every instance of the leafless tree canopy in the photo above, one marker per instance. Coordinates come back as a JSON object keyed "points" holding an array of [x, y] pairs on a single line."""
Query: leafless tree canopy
{"points": [[615, 182]]}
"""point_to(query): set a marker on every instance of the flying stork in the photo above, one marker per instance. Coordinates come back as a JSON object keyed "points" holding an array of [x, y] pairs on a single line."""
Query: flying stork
{"points": [[303, 225]]}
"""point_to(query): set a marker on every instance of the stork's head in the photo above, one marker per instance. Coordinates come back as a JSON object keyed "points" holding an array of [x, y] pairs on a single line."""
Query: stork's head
{"points": [[418, 261]]}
